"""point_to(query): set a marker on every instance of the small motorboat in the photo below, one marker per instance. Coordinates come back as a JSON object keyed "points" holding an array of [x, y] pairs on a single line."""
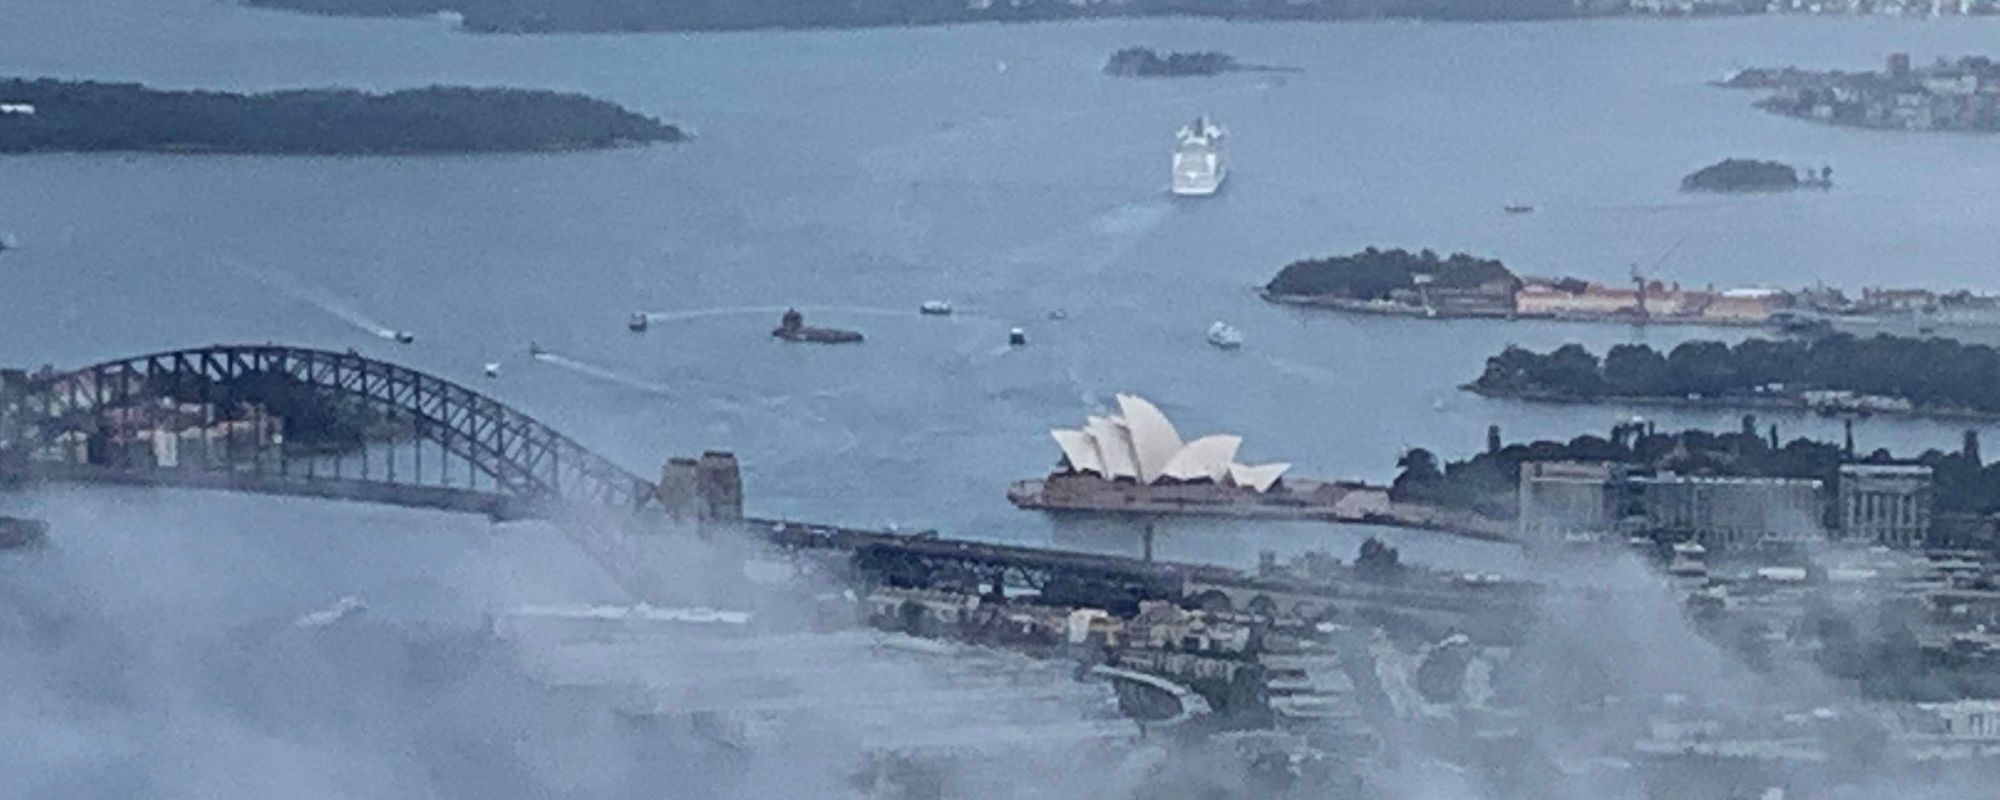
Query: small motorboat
{"points": [[1225, 336], [492, 369], [1519, 208], [935, 308], [7, 242], [403, 337], [535, 350], [1058, 315], [637, 322], [1017, 337]]}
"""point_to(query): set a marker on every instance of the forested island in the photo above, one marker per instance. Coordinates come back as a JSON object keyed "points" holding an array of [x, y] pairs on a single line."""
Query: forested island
{"points": [[1747, 175], [1374, 274], [1837, 373], [1144, 62], [65, 116], [551, 16]]}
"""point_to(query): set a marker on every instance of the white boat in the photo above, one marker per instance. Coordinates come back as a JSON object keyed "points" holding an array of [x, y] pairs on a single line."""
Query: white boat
{"points": [[1225, 336], [935, 308], [1198, 167]]}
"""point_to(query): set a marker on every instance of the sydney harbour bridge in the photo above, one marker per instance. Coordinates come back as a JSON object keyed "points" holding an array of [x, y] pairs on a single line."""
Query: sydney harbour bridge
{"points": [[297, 421]]}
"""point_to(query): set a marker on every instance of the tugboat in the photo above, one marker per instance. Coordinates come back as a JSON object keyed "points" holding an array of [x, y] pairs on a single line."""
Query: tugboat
{"points": [[1225, 336], [792, 328], [637, 322]]}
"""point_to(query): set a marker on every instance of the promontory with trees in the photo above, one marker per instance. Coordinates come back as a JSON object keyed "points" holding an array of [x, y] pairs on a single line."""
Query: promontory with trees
{"points": [[65, 116], [1835, 373], [1488, 483]]}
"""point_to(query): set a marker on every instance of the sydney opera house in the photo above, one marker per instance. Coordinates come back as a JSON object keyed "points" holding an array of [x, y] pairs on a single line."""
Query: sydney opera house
{"points": [[1135, 462], [1140, 445]]}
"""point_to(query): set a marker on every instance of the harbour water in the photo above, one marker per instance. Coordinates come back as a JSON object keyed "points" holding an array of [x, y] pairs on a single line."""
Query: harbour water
{"points": [[857, 174]]}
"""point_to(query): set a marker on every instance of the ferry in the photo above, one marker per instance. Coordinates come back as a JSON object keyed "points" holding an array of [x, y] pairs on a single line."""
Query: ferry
{"points": [[1225, 336], [1198, 167]]}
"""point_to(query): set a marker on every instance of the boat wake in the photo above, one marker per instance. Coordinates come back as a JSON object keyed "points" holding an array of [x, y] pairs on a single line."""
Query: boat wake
{"points": [[1319, 376], [334, 307], [605, 374]]}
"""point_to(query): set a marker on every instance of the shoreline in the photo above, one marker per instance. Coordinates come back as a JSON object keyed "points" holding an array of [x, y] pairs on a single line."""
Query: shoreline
{"points": [[1729, 403], [198, 151], [1385, 308]]}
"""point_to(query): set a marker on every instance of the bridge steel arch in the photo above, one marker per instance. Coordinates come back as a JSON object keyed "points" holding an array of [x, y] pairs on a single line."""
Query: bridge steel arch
{"points": [[56, 414]]}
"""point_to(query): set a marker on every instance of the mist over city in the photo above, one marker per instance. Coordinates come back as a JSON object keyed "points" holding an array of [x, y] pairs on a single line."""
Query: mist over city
{"points": [[1356, 399]]}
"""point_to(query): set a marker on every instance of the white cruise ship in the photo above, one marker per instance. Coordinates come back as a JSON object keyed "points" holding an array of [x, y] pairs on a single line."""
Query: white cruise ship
{"points": [[1198, 168]]}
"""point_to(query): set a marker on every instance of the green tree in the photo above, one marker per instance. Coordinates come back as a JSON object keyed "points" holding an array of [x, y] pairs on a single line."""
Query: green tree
{"points": [[1635, 370], [1702, 367]]}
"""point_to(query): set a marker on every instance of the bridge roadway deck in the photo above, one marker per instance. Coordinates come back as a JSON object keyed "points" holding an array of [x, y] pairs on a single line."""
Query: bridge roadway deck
{"points": [[321, 487], [1441, 595]]}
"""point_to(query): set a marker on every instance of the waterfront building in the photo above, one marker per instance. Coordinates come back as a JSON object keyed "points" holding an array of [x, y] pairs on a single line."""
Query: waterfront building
{"points": [[1558, 498], [1725, 513], [1968, 719], [1888, 504]]}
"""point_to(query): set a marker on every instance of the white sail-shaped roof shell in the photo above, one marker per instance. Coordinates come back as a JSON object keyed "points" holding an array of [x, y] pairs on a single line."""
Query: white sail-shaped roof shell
{"points": [[1259, 478], [1114, 447], [1207, 457], [1154, 440], [1080, 448]]}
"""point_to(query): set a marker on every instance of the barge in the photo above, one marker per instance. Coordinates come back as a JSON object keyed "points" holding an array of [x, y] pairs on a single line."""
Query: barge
{"points": [[792, 328]]}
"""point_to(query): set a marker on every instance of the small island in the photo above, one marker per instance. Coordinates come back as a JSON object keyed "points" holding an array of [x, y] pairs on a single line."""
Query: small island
{"points": [[66, 116], [1746, 175], [1949, 95], [1832, 374], [1144, 62], [1399, 282]]}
